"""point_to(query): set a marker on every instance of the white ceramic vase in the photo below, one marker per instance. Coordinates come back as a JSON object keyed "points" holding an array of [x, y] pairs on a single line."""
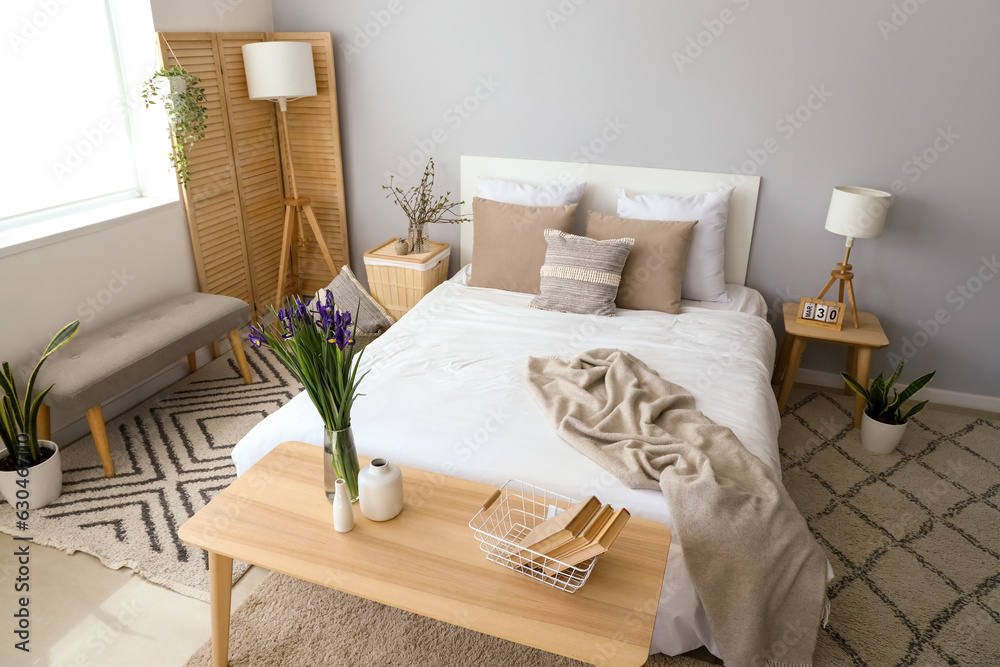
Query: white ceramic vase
{"points": [[380, 486], [879, 438], [44, 481], [343, 509]]}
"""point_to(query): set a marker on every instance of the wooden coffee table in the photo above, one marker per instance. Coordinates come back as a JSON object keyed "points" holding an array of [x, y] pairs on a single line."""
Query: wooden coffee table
{"points": [[426, 561]]}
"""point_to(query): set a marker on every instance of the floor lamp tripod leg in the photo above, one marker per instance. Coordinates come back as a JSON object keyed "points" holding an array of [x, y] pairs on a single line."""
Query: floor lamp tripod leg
{"points": [[286, 243], [319, 239]]}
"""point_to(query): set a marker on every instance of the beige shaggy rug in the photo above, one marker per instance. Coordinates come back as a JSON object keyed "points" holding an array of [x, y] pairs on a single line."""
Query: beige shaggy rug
{"points": [[912, 537], [172, 455]]}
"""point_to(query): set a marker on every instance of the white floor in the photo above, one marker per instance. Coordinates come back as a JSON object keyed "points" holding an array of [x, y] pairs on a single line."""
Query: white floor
{"points": [[86, 615]]}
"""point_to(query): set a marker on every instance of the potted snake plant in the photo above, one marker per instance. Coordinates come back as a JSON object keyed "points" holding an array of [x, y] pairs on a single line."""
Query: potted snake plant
{"points": [[31, 470], [884, 421], [183, 99]]}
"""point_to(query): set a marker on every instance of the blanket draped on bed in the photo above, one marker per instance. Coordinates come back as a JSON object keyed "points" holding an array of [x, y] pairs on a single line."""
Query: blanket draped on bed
{"points": [[759, 572]]}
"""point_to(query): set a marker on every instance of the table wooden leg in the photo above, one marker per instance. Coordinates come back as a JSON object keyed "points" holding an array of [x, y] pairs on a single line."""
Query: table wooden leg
{"points": [[852, 368], [220, 573], [794, 358], [216, 350], [782, 363], [864, 363]]}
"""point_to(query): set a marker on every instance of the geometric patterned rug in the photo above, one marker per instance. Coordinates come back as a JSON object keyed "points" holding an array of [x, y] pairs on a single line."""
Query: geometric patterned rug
{"points": [[913, 536], [171, 455]]}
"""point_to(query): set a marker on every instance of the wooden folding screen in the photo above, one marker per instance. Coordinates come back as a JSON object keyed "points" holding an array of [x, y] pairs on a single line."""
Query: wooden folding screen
{"points": [[234, 198]]}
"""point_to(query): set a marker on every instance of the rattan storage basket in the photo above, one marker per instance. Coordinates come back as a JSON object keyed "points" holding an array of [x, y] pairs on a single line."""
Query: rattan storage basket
{"points": [[398, 282]]}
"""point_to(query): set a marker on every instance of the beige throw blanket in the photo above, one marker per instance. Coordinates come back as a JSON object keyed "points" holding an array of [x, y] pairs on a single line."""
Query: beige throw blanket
{"points": [[759, 572]]}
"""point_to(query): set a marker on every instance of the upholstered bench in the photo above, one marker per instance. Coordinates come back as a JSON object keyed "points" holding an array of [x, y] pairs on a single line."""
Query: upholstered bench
{"points": [[98, 365]]}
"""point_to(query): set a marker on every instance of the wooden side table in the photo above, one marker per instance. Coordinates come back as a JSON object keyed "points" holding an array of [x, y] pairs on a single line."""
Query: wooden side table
{"points": [[861, 341], [398, 282]]}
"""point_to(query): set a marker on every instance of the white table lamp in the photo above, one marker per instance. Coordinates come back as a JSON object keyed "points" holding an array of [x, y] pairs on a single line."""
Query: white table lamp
{"points": [[283, 72], [857, 213]]}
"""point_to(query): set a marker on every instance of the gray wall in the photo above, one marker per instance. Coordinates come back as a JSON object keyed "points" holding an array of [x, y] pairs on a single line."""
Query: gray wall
{"points": [[894, 76]]}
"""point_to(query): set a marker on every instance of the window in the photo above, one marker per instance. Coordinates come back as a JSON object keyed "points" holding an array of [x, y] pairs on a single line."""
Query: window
{"points": [[68, 136]]}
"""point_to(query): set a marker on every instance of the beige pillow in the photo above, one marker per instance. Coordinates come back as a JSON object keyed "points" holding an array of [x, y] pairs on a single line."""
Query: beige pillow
{"points": [[508, 246], [654, 270]]}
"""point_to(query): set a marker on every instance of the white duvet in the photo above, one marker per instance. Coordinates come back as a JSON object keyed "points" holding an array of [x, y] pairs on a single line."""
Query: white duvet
{"points": [[447, 392]]}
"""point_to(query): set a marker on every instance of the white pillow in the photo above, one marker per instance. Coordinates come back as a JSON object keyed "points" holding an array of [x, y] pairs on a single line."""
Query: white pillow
{"points": [[705, 271], [522, 194]]}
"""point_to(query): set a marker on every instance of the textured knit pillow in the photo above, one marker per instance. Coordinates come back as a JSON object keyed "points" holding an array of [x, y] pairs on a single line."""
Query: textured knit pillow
{"points": [[508, 247], [654, 271], [581, 275], [347, 291]]}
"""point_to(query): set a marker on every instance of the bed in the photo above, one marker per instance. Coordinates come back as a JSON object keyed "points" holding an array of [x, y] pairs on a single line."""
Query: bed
{"points": [[446, 389]]}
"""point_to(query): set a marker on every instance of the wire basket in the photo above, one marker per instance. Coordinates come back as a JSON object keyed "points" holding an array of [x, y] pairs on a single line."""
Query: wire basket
{"points": [[508, 516]]}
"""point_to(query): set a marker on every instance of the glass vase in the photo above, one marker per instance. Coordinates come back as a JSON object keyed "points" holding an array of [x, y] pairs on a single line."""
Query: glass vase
{"points": [[419, 240], [340, 461]]}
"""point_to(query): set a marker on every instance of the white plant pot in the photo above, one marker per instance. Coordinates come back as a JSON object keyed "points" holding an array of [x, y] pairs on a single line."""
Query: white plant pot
{"points": [[44, 481], [879, 438], [178, 84], [380, 486]]}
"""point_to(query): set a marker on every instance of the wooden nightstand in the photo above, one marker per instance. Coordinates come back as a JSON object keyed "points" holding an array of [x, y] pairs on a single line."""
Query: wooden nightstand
{"points": [[861, 341], [398, 282]]}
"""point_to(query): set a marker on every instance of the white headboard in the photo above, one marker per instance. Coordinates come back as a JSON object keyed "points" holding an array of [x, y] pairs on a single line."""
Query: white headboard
{"points": [[602, 179]]}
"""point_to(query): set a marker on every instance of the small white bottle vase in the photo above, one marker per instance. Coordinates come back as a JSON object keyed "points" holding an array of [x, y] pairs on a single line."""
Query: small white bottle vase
{"points": [[380, 487], [343, 510]]}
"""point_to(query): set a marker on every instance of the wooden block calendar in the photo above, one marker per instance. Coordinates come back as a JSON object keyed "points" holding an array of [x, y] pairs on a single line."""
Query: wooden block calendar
{"points": [[825, 314]]}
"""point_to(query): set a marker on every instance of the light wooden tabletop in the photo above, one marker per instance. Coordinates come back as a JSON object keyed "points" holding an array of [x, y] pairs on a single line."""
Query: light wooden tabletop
{"points": [[868, 334], [428, 561]]}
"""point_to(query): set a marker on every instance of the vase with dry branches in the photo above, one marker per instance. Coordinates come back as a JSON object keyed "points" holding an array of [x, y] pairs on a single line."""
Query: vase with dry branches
{"points": [[421, 207]]}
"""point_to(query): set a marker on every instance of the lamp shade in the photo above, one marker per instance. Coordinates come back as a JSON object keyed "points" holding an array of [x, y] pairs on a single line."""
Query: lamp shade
{"points": [[279, 69], [857, 212]]}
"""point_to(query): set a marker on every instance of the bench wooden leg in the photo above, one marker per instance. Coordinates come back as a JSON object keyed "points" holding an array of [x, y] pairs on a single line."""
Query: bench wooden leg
{"points": [[44, 422], [96, 420], [241, 357], [192, 362], [216, 350]]}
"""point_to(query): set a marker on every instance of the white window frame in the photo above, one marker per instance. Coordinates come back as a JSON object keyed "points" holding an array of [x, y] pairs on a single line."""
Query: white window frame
{"points": [[131, 27]]}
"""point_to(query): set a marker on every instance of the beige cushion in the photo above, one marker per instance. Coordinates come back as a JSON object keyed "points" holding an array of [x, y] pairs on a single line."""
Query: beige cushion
{"points": [[508, 248], [654, 270], [581, 275], [348, 293]]}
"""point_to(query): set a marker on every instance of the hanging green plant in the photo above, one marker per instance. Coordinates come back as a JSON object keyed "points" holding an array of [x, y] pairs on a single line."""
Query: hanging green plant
{"points": [[182, 97]]}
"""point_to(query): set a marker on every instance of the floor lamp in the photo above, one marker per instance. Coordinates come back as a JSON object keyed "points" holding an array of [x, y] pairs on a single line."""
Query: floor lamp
{"points": [[857, 213], [282, 72]]}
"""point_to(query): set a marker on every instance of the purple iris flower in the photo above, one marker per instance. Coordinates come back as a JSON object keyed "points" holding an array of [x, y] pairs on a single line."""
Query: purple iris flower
{"points": [[285, 317], [302, 311], [323, 307], [341, 333], [256, 337]]}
